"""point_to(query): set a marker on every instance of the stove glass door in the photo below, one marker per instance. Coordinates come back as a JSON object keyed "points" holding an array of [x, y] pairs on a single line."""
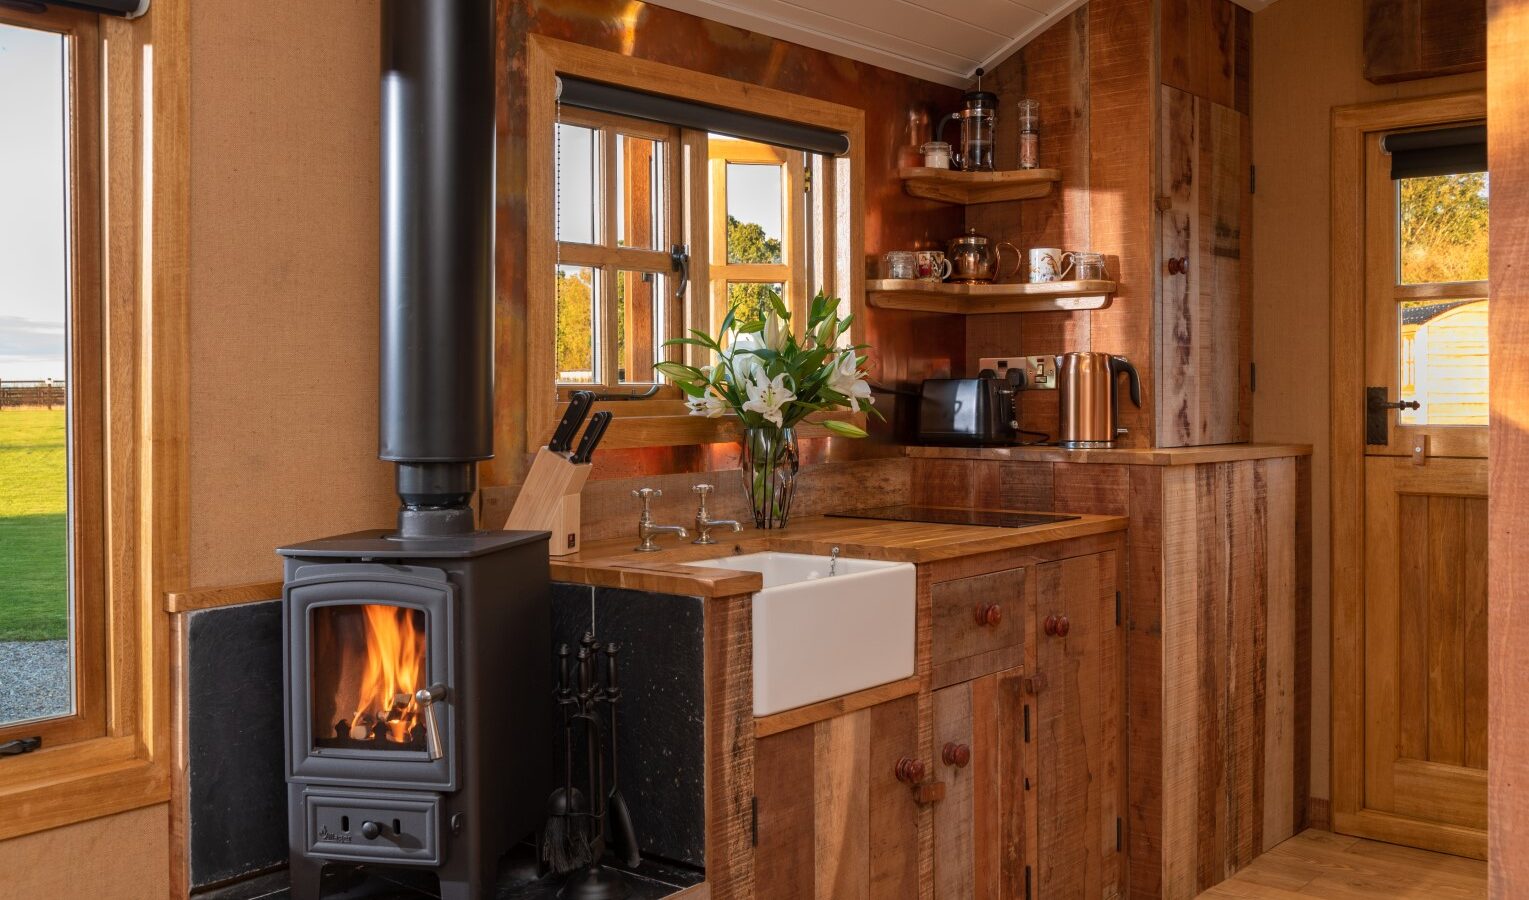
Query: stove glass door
{"points": [[368, 660]]}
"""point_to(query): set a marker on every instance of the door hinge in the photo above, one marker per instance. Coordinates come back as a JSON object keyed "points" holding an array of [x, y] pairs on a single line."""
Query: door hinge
{"points": [[807, 182], [1027, 723], [1252, 179], [1252, 377], [1119, 834], [1027, 883], [1117, 609], [754, 821], [20, 746]]}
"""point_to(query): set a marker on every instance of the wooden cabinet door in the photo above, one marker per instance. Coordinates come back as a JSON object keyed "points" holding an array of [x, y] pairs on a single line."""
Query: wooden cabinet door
{"points": [[978, 753], [834, 823], [1079, 711]]}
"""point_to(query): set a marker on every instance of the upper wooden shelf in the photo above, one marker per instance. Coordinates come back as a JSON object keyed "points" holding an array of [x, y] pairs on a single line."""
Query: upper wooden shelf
{"points": [[952, 186], [970, 299]]}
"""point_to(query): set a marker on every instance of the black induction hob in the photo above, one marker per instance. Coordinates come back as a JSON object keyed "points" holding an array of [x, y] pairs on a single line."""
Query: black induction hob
{"points": [[942, 515]]}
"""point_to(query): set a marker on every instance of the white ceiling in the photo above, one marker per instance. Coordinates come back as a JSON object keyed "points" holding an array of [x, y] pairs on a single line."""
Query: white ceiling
{"points": [[937, 40]]}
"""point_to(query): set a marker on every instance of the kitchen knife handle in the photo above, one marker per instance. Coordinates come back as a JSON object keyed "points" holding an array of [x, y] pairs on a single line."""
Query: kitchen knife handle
{"points": [[592, 436], [573, 417]]}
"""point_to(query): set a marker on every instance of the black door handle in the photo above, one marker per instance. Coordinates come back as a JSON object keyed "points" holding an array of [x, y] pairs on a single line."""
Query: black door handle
{"points": [[1377, 431]]}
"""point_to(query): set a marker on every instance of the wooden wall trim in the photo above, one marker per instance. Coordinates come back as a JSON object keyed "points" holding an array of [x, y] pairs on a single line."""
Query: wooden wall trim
{"points": [[1350, 125], [230, 595], [1508, 466]]}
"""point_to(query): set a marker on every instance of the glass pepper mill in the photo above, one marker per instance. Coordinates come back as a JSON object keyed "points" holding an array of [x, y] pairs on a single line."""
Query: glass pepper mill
{"points": [[978, 115]]}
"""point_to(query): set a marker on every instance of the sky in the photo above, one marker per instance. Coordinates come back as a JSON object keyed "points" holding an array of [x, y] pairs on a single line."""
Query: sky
{"points": [[32, 202]]}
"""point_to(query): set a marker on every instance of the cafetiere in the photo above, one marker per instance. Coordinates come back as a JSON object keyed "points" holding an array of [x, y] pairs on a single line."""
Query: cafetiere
{"points": [[977, 115]]}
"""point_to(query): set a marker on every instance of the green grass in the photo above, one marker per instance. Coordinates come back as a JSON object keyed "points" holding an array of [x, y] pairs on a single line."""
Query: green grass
{"points": [[34, 591]]}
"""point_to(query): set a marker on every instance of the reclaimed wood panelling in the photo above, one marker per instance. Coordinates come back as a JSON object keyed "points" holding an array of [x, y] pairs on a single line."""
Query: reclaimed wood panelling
{"points": [[1204, 327], [1411, 39], [1205, 49], [1218, 633], [1508, 478]]}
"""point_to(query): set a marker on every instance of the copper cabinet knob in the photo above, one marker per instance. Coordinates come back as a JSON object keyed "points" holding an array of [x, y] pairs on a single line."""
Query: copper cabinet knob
{"points": [[1057, 625], [989, 615], [1178, 265], [911, 771], [957, 755]]}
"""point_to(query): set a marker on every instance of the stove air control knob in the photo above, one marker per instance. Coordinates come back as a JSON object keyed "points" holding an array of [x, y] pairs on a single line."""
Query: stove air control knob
{"points": [[371, 830]]}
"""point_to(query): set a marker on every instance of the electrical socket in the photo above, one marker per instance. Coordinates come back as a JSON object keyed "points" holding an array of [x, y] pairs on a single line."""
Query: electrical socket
{"points": [[1040, 371]]}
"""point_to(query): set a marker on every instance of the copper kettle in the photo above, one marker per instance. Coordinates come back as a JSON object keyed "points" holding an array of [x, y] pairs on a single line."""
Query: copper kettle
{"points": [[974, 259], [1090, 403]]}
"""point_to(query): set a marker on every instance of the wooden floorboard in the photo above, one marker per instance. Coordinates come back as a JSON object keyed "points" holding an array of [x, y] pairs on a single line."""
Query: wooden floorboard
{"points": [[1337, 867]]}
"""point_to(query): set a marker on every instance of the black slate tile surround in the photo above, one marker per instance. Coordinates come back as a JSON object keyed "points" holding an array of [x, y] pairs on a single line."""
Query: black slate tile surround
{"points": [[661, 717], [238, 792], [237, 789]]}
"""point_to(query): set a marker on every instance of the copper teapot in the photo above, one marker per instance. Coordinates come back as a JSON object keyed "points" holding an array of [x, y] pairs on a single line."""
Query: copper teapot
{"points": [[974, 259]]}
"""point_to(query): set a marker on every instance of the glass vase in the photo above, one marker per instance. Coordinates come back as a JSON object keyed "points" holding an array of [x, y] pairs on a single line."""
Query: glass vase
{"points": [[770, 463]]}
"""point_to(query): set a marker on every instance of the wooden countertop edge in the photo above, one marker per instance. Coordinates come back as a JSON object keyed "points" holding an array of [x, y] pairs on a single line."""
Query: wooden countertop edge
{"points": [[1148, 456], [658, 577], [789, 719]]}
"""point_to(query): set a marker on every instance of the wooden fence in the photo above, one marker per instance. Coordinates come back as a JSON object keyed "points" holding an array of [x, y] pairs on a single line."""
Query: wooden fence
{"points": [[33, 394]]}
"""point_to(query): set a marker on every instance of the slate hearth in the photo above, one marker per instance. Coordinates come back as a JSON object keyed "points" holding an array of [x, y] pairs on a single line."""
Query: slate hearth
{"points": [[517, 881]]}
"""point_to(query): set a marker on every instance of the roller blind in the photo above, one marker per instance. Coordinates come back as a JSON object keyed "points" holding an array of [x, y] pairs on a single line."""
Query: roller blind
{"points": [[130, 8], [688, 114], [1441, 151]]}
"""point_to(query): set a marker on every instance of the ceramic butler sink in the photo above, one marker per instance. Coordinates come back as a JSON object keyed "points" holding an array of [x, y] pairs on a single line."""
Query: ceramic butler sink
{"points": [[818, 636]]}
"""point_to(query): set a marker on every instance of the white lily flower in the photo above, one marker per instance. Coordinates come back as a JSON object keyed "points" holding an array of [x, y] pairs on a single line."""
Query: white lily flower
{"points": [[741, 365], [709, 405], [775, 332], [847, 381], [766, 397]]}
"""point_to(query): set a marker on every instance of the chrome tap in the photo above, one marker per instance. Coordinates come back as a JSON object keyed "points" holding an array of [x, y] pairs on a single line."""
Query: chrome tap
{"points": [[703, 523], [646, 530]]}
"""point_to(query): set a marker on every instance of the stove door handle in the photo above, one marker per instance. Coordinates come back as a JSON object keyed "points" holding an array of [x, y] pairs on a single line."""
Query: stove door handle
{"points": [[428, 698]]}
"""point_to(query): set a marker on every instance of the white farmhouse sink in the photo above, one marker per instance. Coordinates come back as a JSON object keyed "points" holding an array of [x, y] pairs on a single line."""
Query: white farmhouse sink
{"points": [[818, 636]]}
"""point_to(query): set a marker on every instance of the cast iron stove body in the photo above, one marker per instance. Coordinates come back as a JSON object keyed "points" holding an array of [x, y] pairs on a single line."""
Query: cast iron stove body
{"points": [[416, 692]]}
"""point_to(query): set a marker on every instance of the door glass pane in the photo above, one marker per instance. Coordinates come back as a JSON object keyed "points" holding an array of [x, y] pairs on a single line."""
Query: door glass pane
{"points": [[1443, 354], [755, 209], [578, 180], [366, 662], [36, 672], [640, 325], [639, 192], [751, 300], [1443, 228], [578, 323]]}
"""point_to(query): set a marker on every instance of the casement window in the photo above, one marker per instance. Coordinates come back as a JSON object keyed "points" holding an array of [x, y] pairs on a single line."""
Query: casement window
{"points": [[53, 657], [657, 199]]}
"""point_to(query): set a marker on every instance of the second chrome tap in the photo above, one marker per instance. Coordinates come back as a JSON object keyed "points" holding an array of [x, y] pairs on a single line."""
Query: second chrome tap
{"points": [[704, 523]]}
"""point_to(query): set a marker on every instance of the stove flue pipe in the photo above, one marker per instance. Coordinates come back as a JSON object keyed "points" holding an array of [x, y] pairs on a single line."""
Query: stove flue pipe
{"points": [[436, 391]]}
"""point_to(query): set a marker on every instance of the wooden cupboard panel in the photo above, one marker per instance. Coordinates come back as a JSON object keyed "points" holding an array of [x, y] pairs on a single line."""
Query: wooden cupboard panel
{"points": [[1204, 334], [957, 632], [1079, 767], [1410, 39], [979, 828], [1204, 49], [834, 821]]}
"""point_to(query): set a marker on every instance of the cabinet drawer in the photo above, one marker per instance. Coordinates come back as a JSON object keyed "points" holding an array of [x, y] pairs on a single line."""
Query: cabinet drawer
{"points": [[980, 620]]}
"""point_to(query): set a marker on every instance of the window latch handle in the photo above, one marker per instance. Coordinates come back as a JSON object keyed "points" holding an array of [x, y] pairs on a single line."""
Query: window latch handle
{"points": [[679, 260], [20, 746]]}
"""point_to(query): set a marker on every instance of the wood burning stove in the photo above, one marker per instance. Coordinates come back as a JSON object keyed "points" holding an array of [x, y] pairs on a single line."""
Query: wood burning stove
{"points": [[417, 695]]}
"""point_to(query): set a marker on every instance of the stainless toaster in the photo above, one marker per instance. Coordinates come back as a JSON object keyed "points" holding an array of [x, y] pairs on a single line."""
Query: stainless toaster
{"points": [[972, 412]]}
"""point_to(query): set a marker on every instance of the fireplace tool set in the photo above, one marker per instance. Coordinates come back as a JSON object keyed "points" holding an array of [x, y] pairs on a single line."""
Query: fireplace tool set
{"points": [[580, 823]]}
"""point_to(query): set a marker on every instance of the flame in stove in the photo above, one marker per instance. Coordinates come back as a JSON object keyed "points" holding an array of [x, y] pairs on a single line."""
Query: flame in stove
{"points": [[395, 668]]}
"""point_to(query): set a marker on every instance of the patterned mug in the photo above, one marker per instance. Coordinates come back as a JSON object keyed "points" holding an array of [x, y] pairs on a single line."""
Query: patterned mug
{"points": [[932, 265], [1046, 265]]}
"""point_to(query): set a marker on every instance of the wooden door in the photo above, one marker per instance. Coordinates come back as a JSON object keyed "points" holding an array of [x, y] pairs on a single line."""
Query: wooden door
{"points": [[1079, 709], [834, 823], [1410, 511], [980, 831], [1204, 376]]}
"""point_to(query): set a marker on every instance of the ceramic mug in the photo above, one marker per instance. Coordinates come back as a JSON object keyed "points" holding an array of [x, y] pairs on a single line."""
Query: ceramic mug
{"points": [[1046, 265], [932, 265]]}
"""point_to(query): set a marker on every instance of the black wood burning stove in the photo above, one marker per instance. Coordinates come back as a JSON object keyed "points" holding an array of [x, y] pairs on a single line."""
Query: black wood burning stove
{"points": [[418, 689], [416, 683]]}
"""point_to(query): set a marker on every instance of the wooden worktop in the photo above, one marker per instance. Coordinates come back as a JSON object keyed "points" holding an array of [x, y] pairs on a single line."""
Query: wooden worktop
{"points": [[1124, 456], [614, 563]]}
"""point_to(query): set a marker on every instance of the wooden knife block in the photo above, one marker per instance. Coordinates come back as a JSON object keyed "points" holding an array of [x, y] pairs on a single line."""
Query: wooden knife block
{"points": [[549, 501]]}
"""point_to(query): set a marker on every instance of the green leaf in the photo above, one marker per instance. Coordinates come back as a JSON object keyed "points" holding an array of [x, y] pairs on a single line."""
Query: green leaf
{"points": [[680, 371], [844, 429]]}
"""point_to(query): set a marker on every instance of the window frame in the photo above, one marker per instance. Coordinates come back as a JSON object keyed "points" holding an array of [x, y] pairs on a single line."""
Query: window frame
{"points": [[659, 422], [792, 271], [143, 85], [84, 407], [610, 258]]}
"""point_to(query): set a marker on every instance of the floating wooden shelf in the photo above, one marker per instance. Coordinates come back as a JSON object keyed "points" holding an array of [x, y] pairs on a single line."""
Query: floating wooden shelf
{"points": [[952, 186], [971, 299]]}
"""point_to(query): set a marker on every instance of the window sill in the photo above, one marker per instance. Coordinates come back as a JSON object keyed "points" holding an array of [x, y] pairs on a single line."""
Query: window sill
{"points": [[86, 780]]}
